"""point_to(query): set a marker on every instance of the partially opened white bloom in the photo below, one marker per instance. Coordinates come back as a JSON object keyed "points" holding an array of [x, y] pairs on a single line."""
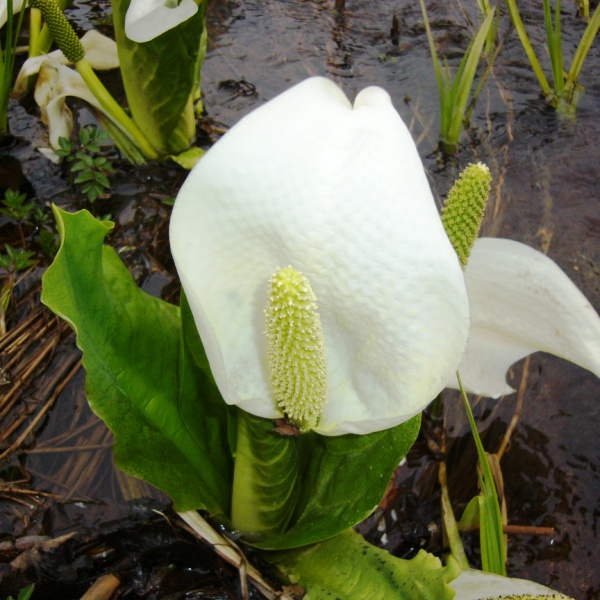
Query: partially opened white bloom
{"points": [[521, 302], [477, 585], [55, 83], [16, 7], [147, 19], [100, 52], [338, 192]]}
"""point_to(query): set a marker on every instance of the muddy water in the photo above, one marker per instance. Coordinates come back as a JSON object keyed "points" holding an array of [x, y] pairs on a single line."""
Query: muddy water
{"points": [[546, 176], [546, 194]]}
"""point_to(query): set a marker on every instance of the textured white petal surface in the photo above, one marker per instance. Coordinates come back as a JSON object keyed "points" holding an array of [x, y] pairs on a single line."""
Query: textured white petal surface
{"points": [[147, 19], [521, 301], [339, 193], [476, 585], [100, 52]]}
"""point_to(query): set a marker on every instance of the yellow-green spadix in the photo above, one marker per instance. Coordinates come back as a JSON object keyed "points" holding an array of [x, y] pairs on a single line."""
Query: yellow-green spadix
{"points": [[337, 190], [296, 348]]}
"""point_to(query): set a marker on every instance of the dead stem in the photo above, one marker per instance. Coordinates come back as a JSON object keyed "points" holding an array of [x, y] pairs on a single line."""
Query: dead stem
{"points": [[103, 588], [48, 404], [230, 552], [26, 371], [20, 331], [517, 413], [86, 448], [531, 530], [72, 433]]}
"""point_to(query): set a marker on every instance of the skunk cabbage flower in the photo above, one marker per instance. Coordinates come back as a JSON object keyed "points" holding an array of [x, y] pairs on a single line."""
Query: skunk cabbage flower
{"points": [[521, 301], [477, 585], [55, 83], [338, 192], [100, 52], [147, 19]]}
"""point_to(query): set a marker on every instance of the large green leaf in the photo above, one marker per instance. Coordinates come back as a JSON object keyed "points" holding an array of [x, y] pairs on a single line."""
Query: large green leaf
{"points": [[346, 566], [342, 479], [146, 377], [161, 77]]}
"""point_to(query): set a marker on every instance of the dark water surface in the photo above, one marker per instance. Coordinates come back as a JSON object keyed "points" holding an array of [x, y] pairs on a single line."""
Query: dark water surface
{"points": [[546, 179], [546, 193]]}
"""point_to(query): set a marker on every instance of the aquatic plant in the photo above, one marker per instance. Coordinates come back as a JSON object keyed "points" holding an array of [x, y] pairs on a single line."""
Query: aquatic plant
{"points": [[564, 95], [189, 392], [7, 55], [456, 98], [162, 121]]}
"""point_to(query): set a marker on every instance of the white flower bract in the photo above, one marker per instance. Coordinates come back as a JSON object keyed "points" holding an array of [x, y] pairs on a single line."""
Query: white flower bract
{"points": [[147, 19], [339, 192], [477, 585], [521, 302]]}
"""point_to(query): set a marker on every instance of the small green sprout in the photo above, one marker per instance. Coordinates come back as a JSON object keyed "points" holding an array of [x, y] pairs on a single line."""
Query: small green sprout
{"points": [[90, 169], [25, 593], [15, 206], [15, 259]]}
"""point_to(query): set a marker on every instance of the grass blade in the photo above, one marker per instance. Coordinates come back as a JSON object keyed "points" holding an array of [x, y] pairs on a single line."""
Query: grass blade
{"points": [[554, 39], [582, 51], [493, 550], [535, 63], [463, 81], [434, 57]]}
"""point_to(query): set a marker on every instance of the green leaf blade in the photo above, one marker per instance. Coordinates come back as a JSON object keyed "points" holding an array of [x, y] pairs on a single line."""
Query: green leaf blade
{"points": [[330, 501], [136, 378], [346, 566]]}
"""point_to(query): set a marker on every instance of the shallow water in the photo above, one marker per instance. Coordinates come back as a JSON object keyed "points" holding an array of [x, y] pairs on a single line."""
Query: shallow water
{"points": [[546, 179]]}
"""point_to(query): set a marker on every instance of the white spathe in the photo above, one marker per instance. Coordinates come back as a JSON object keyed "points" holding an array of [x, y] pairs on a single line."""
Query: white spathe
{"points": [[100, 52], [338, 192], [56, 82], [147, 19], [521, 302], [477, 585], [16, 7]]}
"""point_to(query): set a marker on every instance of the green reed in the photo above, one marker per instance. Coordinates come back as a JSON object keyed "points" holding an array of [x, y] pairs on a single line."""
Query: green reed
{"points": [[455, 93], [565, 93], [7, 63]]}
